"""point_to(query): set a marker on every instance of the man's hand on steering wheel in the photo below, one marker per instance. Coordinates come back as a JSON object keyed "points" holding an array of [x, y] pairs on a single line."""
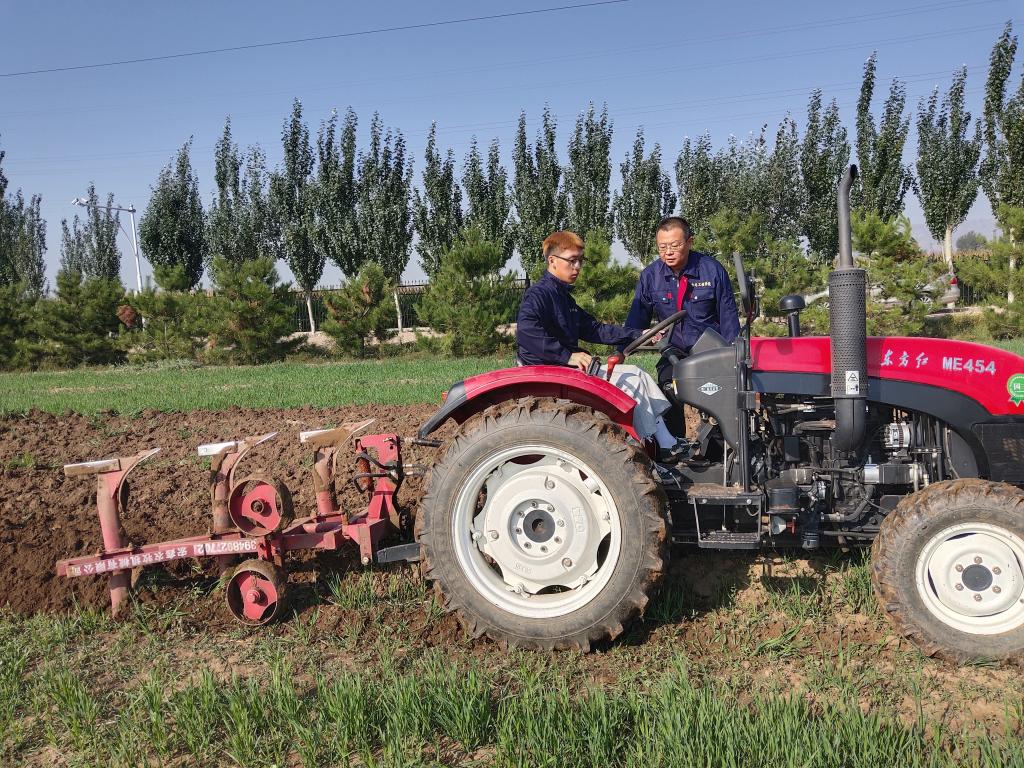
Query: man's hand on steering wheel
{"points": [[657, 331]]}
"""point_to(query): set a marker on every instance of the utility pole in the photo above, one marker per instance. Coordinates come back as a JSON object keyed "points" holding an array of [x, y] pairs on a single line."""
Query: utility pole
{"points": [[84, 202]]}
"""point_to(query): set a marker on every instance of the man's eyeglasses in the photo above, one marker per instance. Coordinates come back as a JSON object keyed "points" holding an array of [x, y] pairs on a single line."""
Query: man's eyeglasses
{"points": [[668, 247], [577, 263]]}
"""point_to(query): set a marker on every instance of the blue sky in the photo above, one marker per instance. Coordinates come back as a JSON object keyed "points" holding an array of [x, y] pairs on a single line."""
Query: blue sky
{"points": [[677, 69]]}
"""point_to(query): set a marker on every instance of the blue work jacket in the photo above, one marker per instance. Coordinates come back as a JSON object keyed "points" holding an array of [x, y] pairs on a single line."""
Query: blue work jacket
{"points": [[708, 300], [550, 325]]}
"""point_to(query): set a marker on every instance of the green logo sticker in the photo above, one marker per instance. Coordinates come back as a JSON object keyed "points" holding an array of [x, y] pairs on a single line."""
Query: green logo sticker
{"points": [[1015, 386]]}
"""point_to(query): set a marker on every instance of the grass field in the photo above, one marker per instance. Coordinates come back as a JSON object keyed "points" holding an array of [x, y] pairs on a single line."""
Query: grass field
{"points": [[282, 385], [351, 681]]}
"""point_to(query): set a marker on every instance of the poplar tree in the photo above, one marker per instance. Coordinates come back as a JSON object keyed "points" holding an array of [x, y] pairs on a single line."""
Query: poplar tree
{"points": [[292, 198], [947, 162], [824, 155], [1002, 170], [783, 188], [437, 211], [336, 234], [645, 197], [588, 174], [537, 191], [238, 223], [90, 247], [383, 215], [488, 202], [883, 180], [22, 243], [172, 231], [699, 181]]}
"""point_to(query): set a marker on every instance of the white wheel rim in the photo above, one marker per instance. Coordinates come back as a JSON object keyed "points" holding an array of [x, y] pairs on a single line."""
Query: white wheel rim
{"points": [[971, 577], [548, 536]]}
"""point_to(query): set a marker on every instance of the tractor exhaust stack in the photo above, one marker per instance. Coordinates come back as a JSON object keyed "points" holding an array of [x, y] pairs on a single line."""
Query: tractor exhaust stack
{"points": [[848, 332]]}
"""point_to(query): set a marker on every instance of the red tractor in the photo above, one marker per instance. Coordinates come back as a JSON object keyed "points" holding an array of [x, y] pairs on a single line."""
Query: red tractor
{"points": [[547, 525]]}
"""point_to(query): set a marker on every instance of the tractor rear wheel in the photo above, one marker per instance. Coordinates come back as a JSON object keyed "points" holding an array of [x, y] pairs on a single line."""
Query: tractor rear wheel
{"points": [[542, 526], [948, 567]]}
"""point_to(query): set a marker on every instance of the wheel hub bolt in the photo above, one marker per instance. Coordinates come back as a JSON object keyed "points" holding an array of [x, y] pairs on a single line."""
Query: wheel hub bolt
{"points": [[997, 590], [558, 540], [549, 483], [977, 598], [566, 562], [561, 523], [493, 535], [997, 570], [959, 587], [527, 545], [543, 549], [549, 507], [977, 560], [959, 568], [519, 530]]}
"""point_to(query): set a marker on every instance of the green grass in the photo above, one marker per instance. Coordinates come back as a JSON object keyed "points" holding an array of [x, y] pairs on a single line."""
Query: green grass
{"points": [[283, 385], [128, 389]]}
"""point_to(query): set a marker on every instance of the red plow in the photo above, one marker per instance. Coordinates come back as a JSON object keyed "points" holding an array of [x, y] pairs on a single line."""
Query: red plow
{"points": [[253, 517]]}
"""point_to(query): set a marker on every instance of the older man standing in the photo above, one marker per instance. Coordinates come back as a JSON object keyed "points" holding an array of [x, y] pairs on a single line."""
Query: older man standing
{"points": [[550, 325], [682, 278]]}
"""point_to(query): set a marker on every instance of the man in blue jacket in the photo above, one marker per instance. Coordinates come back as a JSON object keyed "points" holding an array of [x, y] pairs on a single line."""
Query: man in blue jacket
{"points": [[682, 278], [550, 325]]}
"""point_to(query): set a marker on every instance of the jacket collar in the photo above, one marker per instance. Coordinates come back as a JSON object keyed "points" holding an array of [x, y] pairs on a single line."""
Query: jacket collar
{"points": [[692, 268], [559, 284]]}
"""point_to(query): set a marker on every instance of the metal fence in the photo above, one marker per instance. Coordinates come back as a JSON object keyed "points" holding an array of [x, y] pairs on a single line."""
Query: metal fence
{"points": [[407, 296]]}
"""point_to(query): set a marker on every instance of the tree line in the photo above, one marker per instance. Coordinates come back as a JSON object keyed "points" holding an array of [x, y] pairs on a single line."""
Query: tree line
{"points": [[356, 204]]}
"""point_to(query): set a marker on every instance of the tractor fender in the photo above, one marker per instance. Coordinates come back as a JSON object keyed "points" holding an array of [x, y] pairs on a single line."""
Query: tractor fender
{"points": [[472, 395]]}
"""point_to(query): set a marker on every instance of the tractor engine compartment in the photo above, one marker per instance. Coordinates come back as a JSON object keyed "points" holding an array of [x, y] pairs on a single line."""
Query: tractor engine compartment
{"points": [[814, 494]]}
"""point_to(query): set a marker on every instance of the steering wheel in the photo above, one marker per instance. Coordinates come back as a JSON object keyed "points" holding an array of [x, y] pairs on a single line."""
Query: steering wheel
{"points": [[641, 340]]}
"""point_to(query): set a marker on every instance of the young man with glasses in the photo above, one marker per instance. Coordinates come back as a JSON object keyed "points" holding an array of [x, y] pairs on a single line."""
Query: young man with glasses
{"points": [[683, 279], [549, 327]]}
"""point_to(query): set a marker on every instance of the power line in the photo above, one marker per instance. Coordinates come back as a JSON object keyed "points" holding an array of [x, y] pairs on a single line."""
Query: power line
{"points": [[318, 38]]}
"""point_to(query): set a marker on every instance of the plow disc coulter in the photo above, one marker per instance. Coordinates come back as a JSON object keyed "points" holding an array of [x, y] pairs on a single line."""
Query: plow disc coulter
{"points": [[253, 517]]}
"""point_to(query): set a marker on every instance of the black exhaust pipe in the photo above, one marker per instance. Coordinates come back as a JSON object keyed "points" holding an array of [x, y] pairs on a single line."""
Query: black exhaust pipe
{"points": [[848, 331]]}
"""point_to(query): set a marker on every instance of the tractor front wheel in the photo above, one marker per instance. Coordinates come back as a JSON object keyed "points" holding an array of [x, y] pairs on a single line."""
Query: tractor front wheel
{"points": [[542, 526], [948, 568]]}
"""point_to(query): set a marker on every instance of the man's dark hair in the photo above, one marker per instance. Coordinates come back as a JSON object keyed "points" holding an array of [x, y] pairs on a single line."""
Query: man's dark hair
{"points": [[671, 222]]}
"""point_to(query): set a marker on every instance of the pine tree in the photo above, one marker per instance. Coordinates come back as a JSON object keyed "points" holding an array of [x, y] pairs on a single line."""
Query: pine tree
{"points": [[1002, 170], [645, 197], [80, 325], [250, 313], [947, 162], [588, 174], [604, 288], [883, 180], [383, 214], [336, 233], [469, 297], [700, 180], [172, 231], [824, 155], [293, 205], [537, 191], [91, 247], [362, 307], [488, 203], [438, 210]]}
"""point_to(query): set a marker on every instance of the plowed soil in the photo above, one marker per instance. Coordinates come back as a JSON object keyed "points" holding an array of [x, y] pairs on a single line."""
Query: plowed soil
{"points": [[45, 516]]}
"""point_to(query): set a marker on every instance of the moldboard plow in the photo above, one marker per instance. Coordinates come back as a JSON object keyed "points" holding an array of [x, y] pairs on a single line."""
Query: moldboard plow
{"points": [[253, 517]]}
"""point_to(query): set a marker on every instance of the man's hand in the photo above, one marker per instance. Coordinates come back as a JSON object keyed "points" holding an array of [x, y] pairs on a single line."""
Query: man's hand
{"points": [[580, 360], [657, 337]]}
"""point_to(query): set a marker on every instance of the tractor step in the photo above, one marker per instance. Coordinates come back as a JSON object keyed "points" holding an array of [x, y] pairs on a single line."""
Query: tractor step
{"points": [[729, 540], [728, 495]]}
